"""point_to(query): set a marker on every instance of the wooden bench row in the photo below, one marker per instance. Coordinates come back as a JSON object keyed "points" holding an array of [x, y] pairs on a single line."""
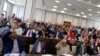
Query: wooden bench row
{"points": [[49, 44]]}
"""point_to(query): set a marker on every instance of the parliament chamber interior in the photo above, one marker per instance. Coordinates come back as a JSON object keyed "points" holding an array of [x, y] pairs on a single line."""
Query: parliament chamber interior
{"points": [[49, 27]]}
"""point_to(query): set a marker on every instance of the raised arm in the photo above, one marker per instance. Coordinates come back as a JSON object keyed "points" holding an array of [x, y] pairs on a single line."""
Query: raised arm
{"points": [[58, 46]]}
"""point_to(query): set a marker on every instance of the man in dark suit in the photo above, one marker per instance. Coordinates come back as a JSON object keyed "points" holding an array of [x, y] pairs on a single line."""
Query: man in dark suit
{"points": [[91, 49], [31, 32], [78, 32], [59, 33], [23, 25], [11, 42]]}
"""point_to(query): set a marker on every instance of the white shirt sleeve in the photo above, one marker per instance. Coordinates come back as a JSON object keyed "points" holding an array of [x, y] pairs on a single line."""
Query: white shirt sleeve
{"points": [[19, 31]]}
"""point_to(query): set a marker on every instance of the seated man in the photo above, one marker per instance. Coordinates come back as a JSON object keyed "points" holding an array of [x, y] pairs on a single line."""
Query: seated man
{"points": [[18, 30], [3, 27], [91, 49], [63, 47], [11, 42], [31, 32]]}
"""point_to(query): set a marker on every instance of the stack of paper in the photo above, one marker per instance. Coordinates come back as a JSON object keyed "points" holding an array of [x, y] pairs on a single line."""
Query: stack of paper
{"points": [[14, 54]]}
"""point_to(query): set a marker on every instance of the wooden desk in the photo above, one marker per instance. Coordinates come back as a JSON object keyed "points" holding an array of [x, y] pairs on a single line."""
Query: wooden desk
{"points": [[1, 54], [36, 55], [26, 42], [28, 54], [49, 44]]}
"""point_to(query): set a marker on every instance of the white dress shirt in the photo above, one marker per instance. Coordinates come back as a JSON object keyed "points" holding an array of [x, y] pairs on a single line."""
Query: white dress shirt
{"points": [[57, 35], [15, 47], [79, 31], [29, 32], [19, 31]]}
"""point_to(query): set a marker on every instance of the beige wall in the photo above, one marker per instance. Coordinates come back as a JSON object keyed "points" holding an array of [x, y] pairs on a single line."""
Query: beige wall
{"points": [[28, 9], [54, 17], [9, 7], [18, 10], [48, 16]]}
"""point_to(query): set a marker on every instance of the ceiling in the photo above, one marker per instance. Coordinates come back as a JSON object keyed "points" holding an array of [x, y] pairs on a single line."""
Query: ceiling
{"points": [[96, 2], [81, 8], [18, 2]]}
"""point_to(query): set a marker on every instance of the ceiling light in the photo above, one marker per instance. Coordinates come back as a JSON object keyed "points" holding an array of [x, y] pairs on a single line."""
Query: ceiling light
{"points": [[98, 12], [53, 9], [69, 4], [55, 6], [82, 13], [98, 5], [90, 14], [80, 7], [65, 8], [90, 1], [89, 9], [77, 14], [85, 16], [57, 1], [62, 11], [78, 0]]}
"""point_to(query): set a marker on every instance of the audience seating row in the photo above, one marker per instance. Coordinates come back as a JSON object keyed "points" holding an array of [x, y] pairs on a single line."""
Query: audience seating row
{"points": [[49, 44]]}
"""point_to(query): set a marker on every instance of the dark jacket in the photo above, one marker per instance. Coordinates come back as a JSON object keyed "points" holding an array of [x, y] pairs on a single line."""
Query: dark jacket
{"points": [[33, 35], [60, 34], [91, 51], [8, 43]]}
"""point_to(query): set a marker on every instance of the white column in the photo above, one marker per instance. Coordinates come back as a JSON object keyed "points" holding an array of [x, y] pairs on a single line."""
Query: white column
{"points": [[9, 8], [28, 9], [43, 16], [33, 11], [1, 6]]}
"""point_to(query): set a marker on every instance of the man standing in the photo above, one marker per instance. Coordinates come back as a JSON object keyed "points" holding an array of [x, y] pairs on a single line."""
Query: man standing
{"points": [[11, 42], [19, 30], [63, 47]]}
